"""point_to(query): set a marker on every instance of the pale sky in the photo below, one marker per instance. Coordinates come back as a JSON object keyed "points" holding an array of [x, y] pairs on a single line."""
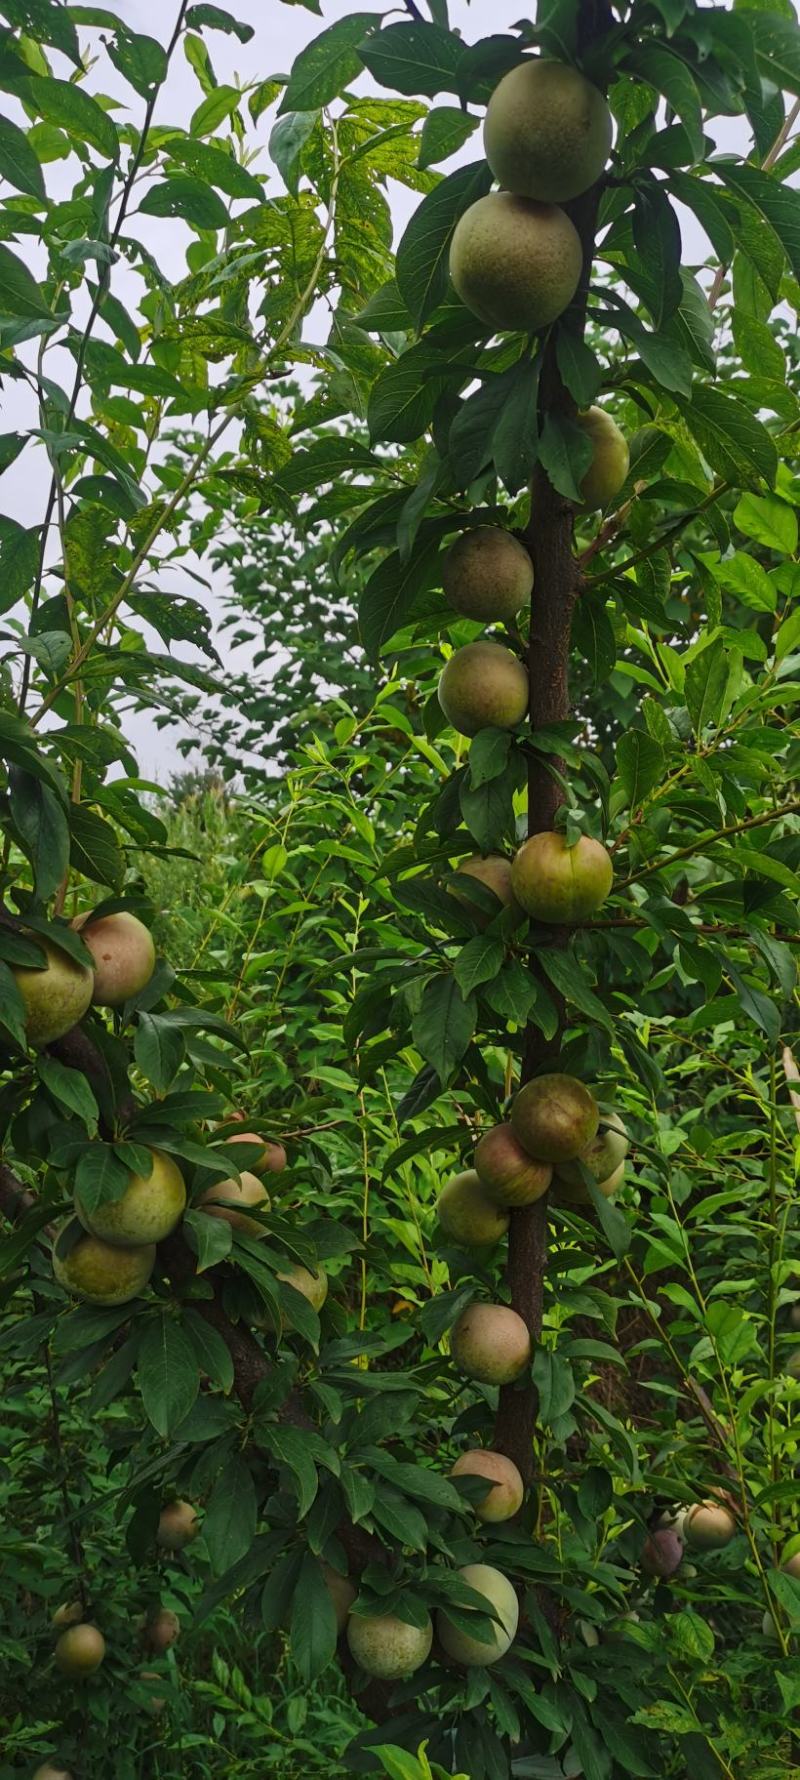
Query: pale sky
{"points": [[280, 30]]}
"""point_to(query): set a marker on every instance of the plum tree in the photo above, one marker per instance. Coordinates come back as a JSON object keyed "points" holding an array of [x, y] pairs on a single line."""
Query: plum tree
{"points": [[515, 264], [662, 1552], [554, 1117], [342, 1593], [548, 132], [468, 1213], [487, 574], [505, 1489], [490, 1343], [161, 1630], [123, 954], [554, 882], [493, 871], [54, 998], [80, 1650], [510, 1174], [223, 1199], [483, 684], [387, 1647], [148, 1210], [474, 1651], [603, 1157], [313, 1286], [610, 458], [709, 1525], [178, 1525], [97, 1271]]}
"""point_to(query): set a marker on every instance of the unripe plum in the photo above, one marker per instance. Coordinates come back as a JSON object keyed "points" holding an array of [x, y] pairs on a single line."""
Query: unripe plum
{"points": [[54, 998], [474, 1652], [610, 460], [603, 1156], [97, 1271], [515, 264], [511, 1176], [494, 872], [554, 1117], [490, 1343], [558, 884], [313, 1286], [80, 1650], [487, 574], [483, 685], [548, 131], [709, 1525], [662, 1552], [248, 1190], [342, 1594], [178, 1525], [386, 1647], [468, 1213], [161, 1630], [123, 952], [148, 1210], [505, 1489]]}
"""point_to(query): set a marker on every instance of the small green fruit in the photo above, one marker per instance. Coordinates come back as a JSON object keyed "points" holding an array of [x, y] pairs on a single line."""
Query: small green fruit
{"points": [[790, 1560], [708, 1526], [161, 1630], [387, 1647], [342, 1594], [494, 872], [505, 1489], [483, 686], [95, 1270], [602, 1156], [554, 1117], [558, 884], [500, 1596], [149, 1209], [487, 575], [55, 998], [507, 1171], [611, 459], [312, 1286], [46, 1771], [469, 1214], [515, 264], [490, 1343], [223, 1199], [548, 132], [80, 1650], [123, 953]]}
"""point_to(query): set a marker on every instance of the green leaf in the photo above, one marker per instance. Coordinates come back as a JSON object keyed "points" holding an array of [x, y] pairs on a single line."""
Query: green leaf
{"points": [[327, 64], [188, 198], [216, 166], [777, 203], [414, 58], [445, 130], [211, 1238], [73, 110], [69, 1088], [477, 962], [41, 825], [212, 1351], [705, 684], [159, 1050], [229, 1525], [100, 1176], [567, 975], [19, 292], [214, 109], [18, 163], [735, 443], [741, 575], [295, 1449], [565, 454], [768, 520], [142, 60], [288, 138], [94, 849], [387, 601], [657, 237], [593, 635], [613, 1222], [217, 18], [580, 370], [443, 1025], [168, 1374], [19, 556], [403, 397], [640, 765], [424, 249], [657, 65], [555, 1384], [312, 1629]]}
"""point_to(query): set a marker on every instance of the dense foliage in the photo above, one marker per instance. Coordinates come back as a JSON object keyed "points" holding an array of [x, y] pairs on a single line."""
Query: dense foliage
{"points": [[320, 972]]}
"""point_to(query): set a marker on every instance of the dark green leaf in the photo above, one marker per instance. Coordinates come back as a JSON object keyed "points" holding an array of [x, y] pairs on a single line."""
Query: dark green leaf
{"points": [[443, 1025], [423, 252], [168, 1374], [325, 67]]}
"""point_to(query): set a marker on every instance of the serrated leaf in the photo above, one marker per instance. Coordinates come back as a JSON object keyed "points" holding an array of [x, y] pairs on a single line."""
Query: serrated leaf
{"points": [[327, 64], [640, 765], [168, 1374], [414, 58], [704, 685], [478, 962], [69, 1088]]}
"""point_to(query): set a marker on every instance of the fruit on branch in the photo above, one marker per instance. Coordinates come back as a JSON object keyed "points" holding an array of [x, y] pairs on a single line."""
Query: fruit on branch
{"points": [[249, 1190], [469, 1214], [46, 1771], [494, 872], [565, 1193], [177, 1526], [510, 1174], [156, 1703], [554, 1117], [505, 1489], [769, 1627], [515, 264], [473, 1651], [611, 459], [556, 883], [386, 1647], [548, 132], [97, 1271], [794, 1316], [483, 685], [708, 1526], [792, 1365], [123, 953], [342, 1593], [69, 1613], [149, 1209], [161, 1630], [602, 1156], [487, 574], [272, 1159], [313, 1286], [80, 1650], [662, 1552], [490, 1343], [54, 998]]}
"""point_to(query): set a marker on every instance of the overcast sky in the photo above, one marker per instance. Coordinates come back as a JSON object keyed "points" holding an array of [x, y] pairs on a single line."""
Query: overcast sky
{"points": [[280, 31]]}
